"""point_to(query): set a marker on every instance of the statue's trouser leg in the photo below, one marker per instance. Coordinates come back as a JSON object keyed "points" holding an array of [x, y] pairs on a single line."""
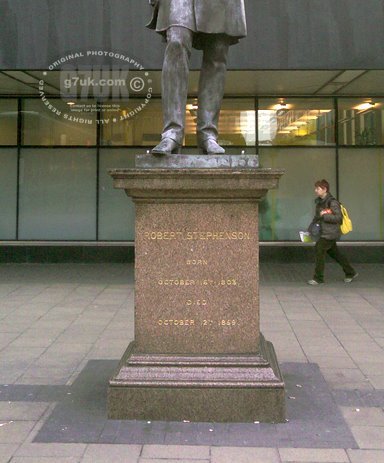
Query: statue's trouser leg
{"points": [[211, 86], [175, 81]]}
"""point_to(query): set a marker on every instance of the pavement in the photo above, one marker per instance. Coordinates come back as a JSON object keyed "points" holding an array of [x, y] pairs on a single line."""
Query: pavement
{"points": [[63, 328]]}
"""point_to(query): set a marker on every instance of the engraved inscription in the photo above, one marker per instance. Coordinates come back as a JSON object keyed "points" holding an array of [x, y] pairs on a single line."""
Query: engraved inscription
{"points": [[220, 322], [167, 235], [204, 323], [192, 291], [197, 262], [198, 302], [228, 322], [176, 282], [176, 322], [207, 282]]}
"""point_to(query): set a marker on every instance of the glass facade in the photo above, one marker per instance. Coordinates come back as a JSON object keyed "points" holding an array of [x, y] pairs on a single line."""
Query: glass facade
{"points": [[54, 181], [57, 194], [43, 126], [361, 122], [361, 186], [8, 121], [290, 208], [236, 124], [132, 129], [296, 122], [8, 193], [116, 210]]}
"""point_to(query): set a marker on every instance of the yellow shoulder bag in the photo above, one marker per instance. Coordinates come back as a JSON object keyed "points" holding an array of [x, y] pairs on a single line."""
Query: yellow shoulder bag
{"points": [[346, 225]]}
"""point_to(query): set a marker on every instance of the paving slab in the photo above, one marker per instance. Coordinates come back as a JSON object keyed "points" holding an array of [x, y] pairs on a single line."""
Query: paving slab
{"points": [[369, 437], [45, 460], [170, 460], [105, 453], [377, 381], [346, 378], [63, 328], [15, 432], [313, 455], [365, 416], [51, 450], [176, 452], [366, 456], [359, 398], [6, 452], [244, 455], [25, 411]]}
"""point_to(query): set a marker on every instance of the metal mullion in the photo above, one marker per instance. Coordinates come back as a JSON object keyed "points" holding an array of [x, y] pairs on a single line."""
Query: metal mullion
{"points": [[256, 102], [98, 140], [19, 140], [337, 163]]}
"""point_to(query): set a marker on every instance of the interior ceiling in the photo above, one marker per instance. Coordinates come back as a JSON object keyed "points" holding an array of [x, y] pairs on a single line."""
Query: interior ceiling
{"points": [[239, 83]]}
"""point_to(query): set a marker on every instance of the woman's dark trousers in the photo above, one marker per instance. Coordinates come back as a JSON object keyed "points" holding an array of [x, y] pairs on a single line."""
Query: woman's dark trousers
{"points": [[329, 247]]}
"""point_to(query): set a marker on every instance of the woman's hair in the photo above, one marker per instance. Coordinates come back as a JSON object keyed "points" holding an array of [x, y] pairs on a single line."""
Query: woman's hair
{"points": [[322, 184]]}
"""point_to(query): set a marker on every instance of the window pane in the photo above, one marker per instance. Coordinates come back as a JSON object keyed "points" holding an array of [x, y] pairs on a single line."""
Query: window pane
{"points": [[8, 122], [290, 208], [116, 209], [296, 122], [236, 124], [8, 192], [361, 122], [140, 129], [41, 126], [362, 192], [58, 194]]}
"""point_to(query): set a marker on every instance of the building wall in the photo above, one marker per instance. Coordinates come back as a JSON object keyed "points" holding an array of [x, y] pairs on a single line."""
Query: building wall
{"points": [[44, 171], [283, 34], [54, 182]]}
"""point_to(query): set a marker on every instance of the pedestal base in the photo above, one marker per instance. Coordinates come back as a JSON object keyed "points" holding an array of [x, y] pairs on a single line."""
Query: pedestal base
{"points": [[198, 353], [220, 388]]}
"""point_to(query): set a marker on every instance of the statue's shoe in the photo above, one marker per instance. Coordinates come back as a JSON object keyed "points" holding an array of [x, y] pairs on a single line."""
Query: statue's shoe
{"points": [[210, 146], [166, 146]]}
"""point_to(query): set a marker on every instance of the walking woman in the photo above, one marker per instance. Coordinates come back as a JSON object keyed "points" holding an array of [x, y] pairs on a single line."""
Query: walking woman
{"points": [[328, 216]]}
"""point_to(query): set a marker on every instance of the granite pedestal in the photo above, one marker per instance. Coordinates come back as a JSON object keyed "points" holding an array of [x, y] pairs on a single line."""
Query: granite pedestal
{"points": [[198, 353]]}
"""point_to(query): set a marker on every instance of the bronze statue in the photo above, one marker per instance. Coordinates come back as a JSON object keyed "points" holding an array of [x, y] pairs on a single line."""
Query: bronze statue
{"points": [[209, 25]]}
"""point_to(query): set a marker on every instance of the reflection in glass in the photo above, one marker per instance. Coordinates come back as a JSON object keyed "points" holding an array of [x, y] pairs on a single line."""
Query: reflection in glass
{"points": [[290, 208], [8, 193], [361, 121], [116, 210], [57, 194], [76, 125], [236, 124], [8, 121], [361, 182], [132, 127], [296, 122]]}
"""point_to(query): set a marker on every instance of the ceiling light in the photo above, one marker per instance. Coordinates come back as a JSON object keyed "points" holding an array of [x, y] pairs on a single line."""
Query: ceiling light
{"points": [[365, 106], [280, 106]]}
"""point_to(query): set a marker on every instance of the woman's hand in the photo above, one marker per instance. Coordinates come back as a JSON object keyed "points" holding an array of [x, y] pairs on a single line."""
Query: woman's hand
{"points": [[325, 211]]}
